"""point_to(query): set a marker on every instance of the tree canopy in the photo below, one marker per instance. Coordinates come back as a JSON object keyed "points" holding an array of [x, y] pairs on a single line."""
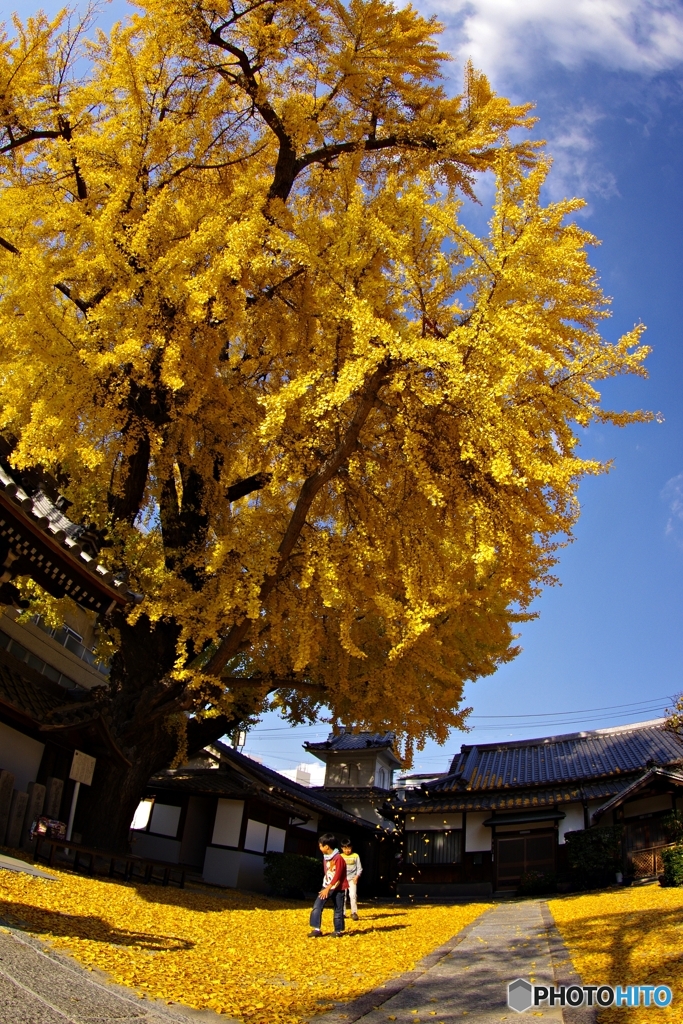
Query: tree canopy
{"points": [[332, 432]]}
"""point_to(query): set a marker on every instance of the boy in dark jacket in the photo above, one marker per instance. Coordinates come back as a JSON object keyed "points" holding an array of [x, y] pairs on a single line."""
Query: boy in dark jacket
{"points": [[334, 887]]}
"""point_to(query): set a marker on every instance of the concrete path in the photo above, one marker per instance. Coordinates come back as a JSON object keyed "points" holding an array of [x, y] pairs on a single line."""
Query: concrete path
{"points": [[15, 864], [38, 986], [468, 980]]}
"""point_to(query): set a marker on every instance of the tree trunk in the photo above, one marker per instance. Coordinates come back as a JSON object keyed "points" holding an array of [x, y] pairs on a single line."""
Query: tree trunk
{"points": [[145, 657]]}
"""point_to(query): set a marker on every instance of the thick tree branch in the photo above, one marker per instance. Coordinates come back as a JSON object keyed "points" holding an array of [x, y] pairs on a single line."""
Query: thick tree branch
{"points": [[83, 304], [31, 136], [309, 491], [252, 483]]}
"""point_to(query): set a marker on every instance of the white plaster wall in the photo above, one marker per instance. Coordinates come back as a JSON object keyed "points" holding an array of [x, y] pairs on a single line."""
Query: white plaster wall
{"points": [[367, 810], [432, 822], [276, 839], [165, 819], [477, 835], [20, 755], [221, 867], [233, 868], [255, 838], [311, 825], [361, 769], [155, 847], [226, 830], [573, 822], [46, 647]]}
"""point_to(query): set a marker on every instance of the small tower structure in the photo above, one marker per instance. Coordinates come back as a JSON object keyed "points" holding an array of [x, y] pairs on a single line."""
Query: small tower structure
{"points": [[359, 770]]}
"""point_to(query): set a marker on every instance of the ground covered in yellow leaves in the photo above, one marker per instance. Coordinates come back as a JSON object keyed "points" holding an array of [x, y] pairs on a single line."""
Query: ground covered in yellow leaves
{"points": [[627, 936], [243, 955]]}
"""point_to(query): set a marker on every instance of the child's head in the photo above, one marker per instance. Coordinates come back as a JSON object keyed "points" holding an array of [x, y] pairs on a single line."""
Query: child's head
{"points": [[347, 846], [327, 842]]}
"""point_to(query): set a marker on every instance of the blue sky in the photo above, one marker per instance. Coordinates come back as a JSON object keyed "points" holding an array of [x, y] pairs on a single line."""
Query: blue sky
{"points": [[607, 80]]}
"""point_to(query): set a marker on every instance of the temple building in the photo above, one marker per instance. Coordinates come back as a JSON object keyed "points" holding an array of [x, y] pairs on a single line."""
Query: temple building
{"points": [[504, 810], [220, 816]]}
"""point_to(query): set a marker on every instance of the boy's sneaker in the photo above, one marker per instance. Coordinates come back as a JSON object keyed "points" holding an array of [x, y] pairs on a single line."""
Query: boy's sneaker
{"points": [[339, 935], [315, 934], [354, 917]]}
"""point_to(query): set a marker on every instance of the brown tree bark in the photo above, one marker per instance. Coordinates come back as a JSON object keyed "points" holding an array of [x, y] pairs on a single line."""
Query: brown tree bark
{"points": [[141, 731]]}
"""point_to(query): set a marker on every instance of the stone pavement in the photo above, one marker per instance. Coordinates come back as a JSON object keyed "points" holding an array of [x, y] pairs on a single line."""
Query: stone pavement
{"points": [[39, 986], [467, 980], [15, 864]]}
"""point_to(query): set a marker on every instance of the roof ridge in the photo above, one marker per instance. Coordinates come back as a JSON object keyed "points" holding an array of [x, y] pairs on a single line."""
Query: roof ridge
{"points": [[651, 723]]}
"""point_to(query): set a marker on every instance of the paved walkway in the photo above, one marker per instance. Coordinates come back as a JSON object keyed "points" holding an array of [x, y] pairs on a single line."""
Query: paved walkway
{"points": [[38, 986], [15, 864], [467, 980]]}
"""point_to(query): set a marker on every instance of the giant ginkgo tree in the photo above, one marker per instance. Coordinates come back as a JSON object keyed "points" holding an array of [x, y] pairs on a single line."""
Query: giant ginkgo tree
{"points": [[332, 432]]}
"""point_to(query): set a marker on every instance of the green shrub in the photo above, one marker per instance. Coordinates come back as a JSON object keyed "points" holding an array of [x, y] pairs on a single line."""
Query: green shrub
{"points": [[535, 883], [594, 856], [672, 858], [290, 874], [673, 826]]}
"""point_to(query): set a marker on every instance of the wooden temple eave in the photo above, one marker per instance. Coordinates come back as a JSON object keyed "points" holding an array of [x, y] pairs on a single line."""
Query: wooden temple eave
{"points": [[39, 549]]}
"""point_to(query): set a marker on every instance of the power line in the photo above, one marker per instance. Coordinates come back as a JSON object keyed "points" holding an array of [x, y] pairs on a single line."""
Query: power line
{"points": [[643, 706], [655, 701]]}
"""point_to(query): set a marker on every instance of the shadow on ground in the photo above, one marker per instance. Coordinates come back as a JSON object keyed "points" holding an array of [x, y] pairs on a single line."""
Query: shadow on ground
{"points": [[51, 922], [622, 938]]}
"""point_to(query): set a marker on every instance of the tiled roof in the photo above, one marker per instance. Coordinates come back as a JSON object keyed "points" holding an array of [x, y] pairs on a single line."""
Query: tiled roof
{"points": [[440, 803], [557, 760], [354, 741], [49, 542], [643, 781], [250, 776]]}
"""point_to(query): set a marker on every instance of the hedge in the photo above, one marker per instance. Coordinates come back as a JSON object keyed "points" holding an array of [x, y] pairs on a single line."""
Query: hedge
{"points": [[290, 874], [594, 856], [672, 858]]}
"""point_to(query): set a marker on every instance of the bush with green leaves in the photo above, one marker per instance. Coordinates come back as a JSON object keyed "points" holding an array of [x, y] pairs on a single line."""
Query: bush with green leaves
{"points": [[673, 826], [535, 883], [292, 875], [594, 856], [672, 858]]}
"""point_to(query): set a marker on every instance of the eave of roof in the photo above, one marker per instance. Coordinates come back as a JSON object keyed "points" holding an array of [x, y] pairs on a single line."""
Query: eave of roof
{"points": [[350, 742], [507, 799], [646, 779], [560, 760], [523, 818], [25, 520], [272, 782]]}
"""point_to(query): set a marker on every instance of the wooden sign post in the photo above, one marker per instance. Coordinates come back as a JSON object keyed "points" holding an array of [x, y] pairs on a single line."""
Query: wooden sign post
{"points": [[82, 769]]}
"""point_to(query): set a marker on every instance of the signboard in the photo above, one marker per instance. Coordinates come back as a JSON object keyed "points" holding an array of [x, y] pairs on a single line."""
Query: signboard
{"points": [[82, 768]]}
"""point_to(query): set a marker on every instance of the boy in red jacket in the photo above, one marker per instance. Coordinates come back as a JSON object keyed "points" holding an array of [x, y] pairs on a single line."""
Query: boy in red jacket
{"points": [[334, 887]]}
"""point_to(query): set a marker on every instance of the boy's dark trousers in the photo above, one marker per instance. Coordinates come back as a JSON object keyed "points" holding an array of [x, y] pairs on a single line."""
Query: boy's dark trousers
{"points": [[336, 900]]}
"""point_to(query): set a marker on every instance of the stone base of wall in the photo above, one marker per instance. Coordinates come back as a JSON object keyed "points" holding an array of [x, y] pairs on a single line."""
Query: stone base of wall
{"points": [[235, 869]]}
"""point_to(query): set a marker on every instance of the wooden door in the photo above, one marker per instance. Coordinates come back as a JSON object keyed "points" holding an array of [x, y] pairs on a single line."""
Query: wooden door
{"points": [[517, 855]]}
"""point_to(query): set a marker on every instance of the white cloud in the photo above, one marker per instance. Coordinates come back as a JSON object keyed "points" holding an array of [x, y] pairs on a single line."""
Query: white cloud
{"points": [[673, 495], [509, 36], [575, 171]]}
